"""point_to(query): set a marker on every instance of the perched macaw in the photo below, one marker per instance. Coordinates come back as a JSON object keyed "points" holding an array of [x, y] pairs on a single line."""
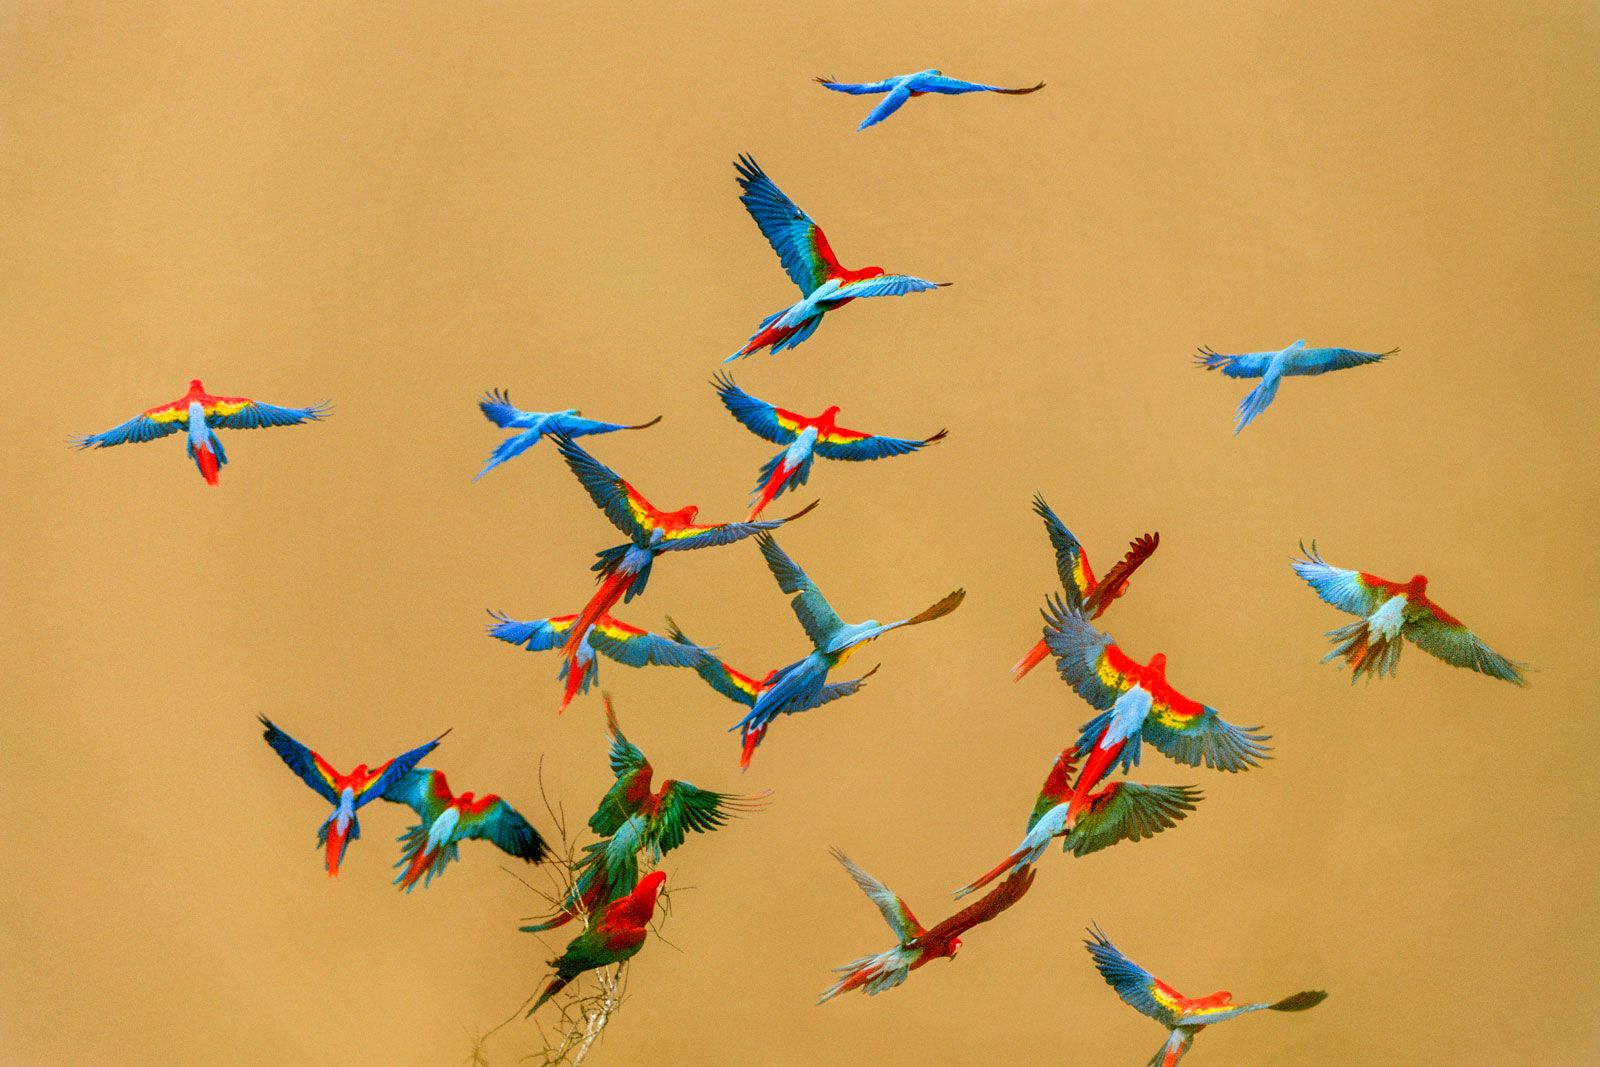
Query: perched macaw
{"points": [[624, 570], [1084, 595], [447, 820], [201, 414], [802, 685], [807, 258], [1136, 703], [623, 643], [903, 87], [1184, 1016], [346, 792], [917, 946], [1272, 367], [1122, 811], [744, 689], [496, 407], [1390, 611], [806, 438], [615, 935]]}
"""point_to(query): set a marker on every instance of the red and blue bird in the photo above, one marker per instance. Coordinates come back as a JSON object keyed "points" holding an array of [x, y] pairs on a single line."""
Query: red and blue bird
{"points": [[447, 820]]}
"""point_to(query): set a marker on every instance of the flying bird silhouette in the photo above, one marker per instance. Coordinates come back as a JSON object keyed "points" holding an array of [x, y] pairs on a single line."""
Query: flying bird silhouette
{"points": [[903, 87], [496, 407], [448, 820], [1272, 367], [619, 641]]}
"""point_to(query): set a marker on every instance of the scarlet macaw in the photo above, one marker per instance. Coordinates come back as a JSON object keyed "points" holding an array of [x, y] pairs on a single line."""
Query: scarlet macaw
{"points": [[201, 414], [1086, 596], [623, 643], [800, 685], [1272, 367], [1184, 1016], [917, 946], [805, 438], [447, 820], [496, 407], [808, 259], [1122, 811], [744, 689], [346, 792], [1391, 611], [903, 87], [1136, 703], [616, 935]]}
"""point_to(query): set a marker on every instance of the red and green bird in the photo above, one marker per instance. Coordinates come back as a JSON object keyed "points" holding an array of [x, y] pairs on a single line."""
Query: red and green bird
{"points": [[1137, 704], [1184, 1016], [1391, 611], [346, 792], [805, 438], [201, 414], [448, 820], [1122, 811], [1087, 596], [917, 946], [615, 936]]}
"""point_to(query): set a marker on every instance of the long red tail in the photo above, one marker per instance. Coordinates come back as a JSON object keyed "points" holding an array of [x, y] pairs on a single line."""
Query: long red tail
{"points": [[770, 336], [1030, 661], [207, 461], [419, 863], [612, 586], [1005, 865], [575, 675], [752, 738], [1095, 768], [780, 474], [335, 851]]}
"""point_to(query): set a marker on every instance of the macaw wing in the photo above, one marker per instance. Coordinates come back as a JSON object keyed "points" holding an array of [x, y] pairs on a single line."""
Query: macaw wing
{"points": [[627, 510], [1128, 811], [937, 610], [497, 408], [725, 533], [1241, 365], [758, 416], [991, 904], [1057, 786], [886, 107], [423, 790], [1097, 670], [839, 690], [637, 648], [1072, 563], [240, 413], [816, 616], [857, 89], [895, 912], [500, 823], [385, 777], [938, 83], [685, 807], [799, 242], [626, 757], [852, 445], [884, 285], [577, 426], [1346, 590], [737, 687], [312, 768], [1440, 635], [1221, 1013], [146, 427], [537, 635], [1193, 733], [1323, 360], [1137, 987], [1111, 585]]}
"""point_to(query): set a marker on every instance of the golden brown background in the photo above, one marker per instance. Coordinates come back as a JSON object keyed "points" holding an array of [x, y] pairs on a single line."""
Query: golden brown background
{"points": [[400, 205]]}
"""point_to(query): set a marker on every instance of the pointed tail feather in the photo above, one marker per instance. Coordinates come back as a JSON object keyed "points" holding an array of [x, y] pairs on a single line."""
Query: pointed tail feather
{"points": [[1006, 864], [752, 738], [557, 984], [1035, 655], [578, 675], [612, 587], [334, 843], [771, 488], [1363, 651], [1256, 402]]}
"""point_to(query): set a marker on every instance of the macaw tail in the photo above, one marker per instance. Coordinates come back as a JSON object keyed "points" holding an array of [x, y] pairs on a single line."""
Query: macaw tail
{"points": [[1005, 865], [1030, 661], [861, 972], [612, 588], [557, 984], [752, 738], [1178, 1043], [578, 678], [208, 456], [776, 337], [1256, 402], [1097, 766], [423, 860], [1366, 653], [329, 838]]}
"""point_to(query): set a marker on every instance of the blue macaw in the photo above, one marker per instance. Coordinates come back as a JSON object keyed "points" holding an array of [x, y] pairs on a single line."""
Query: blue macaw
{"points": [[903, 87], [496, 407], [1272, 367]]}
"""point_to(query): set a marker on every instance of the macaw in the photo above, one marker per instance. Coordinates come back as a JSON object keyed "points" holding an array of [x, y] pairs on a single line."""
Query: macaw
{"points": [[1085, 595], [744, 689], [447, 820], [801, 685], [201, 414], [1272, 367], [1137, 703], [806, 438], [1122, 811], [808, 260], [917, 946], [496, 407], [1390, 611], [618, 640], [1184, 1016], [625, 569], [903, 87], [346, 792], [616, 935]]}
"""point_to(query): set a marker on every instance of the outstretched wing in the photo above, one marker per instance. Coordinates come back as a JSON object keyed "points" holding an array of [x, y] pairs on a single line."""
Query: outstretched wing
{"points": [[1072, 563], [396, 769], [1128, 811], [758, 416], [895, 912], [1309, 998], [622, 504], [884, 285], [636, 648], [1346, 590], [1087, 660], [799, 242], [853, 445], [886, 107], [818, 618], [993, 903], [938, 83], [1323, 360], [240, 413], [626, 757], [578, 426], [500, 823], [856, 89], [1116, 579], [152, 425], [537, 635], [724, 533], [312, 768], [496, 407], [423, 790], [1241, 365], [1189, 732], [685, 807], [1137, 987], [1442, 635], [737, 687]]}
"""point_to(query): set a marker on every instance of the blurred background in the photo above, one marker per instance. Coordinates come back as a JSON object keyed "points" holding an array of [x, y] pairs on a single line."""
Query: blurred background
{"points": [[398, 206]]}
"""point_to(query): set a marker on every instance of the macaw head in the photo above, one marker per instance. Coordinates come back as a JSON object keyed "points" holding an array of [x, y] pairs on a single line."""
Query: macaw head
{"points": [[1419, 584], [684, 515], [195, 386], [464, 800], [650, 885], [360, 773], [1157, 667], [829, 415], [1215, 1000], [955, 946]]}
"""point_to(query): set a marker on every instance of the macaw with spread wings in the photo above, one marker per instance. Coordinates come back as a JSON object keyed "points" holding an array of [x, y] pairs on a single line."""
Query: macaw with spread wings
{"points": [[626, 644], [448, 820], [903, 87], [496, 407], [743, 688], [1273, 367], [201, 414]]}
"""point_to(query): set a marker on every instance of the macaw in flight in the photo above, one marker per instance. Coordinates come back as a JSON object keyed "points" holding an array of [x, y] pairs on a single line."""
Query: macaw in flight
{"points": [[1272, 367], [1137, 704], [1393, 610], [1084, 595], [201, 414], [615, 936], [621, 642], [1122, 811], [809, 261], [917, 946], [346, 792], [496, 407], [447, 820], [802, 685], [743, 688], [805, 438], [903, 87], [1184, 1016]]}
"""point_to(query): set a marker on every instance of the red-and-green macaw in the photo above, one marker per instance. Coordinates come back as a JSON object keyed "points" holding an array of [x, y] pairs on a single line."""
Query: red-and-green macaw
{"points": [[615, 935], [1393, 610], [917, 946], [1085, 595], [447, 820], [806, 438], [808, 260], [1184, 1016], [903, 87], [1122, 811], [201, 414], [346, 792], [496, 407], [1137, 704], [623, 643]]}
